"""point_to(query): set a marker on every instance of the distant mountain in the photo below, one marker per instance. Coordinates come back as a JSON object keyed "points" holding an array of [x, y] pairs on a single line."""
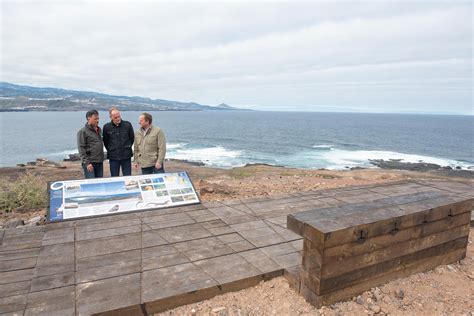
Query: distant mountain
{"points": [[23, 98]]}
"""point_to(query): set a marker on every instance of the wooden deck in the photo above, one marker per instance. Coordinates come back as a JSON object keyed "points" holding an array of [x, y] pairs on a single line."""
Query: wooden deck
{"points": [[150, 261]]}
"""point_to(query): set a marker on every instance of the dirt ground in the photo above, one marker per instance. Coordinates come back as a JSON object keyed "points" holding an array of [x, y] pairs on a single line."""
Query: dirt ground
{"points": [[447, 290]]}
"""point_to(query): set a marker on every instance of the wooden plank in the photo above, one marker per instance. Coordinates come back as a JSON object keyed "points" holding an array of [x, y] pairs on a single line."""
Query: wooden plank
{"points": [[278, 250], [58, 301], [105, 266], [19, 254], [108, 294], [52, 281], [12, 304], [366, 273], [184, 233], [171, 223], [58, 236], [167, 282], [101, 246], [17, 264], [135, 310], [209, 251], [336, 266], [165, 218], [292, 275], [19, 242], [15, 288], [161, 257], [230, 238], [266, 240], [241, 246], [341, 252], [333, 235], [424, 264], [184, 298], [238, 219], [228, 268], [288, 260], [16, 276], [110, 224], [286, 234], [96, 234], [106, 219], [152, 238]]}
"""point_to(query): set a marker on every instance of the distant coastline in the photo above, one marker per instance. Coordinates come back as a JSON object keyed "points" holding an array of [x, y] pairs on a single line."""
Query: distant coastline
{"points": [[19, 98], [122, 110]]}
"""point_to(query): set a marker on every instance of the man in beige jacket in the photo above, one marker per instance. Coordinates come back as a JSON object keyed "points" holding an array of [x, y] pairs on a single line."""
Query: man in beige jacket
{"points": [[149, 146]]}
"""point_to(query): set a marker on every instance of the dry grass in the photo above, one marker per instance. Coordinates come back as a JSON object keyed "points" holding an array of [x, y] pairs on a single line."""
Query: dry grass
{"points": [[28, 191]]}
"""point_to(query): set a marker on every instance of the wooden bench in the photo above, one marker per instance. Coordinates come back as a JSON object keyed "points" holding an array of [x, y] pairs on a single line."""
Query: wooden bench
{"points": [[352, 248]]}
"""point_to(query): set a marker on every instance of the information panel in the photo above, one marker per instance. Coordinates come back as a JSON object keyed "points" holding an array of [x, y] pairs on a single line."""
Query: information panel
{"points": [[90, 197]]}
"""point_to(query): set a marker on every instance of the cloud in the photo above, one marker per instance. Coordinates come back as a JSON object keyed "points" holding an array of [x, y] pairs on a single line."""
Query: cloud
{"points": [[301, 56]]}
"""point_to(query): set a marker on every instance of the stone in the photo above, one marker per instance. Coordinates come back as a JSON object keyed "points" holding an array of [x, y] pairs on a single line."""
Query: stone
{"points": [[218, 309], [33, 221], [13, 223], [450, 268], [359, 300], [375, 308], [399, 293], [378, 294]]}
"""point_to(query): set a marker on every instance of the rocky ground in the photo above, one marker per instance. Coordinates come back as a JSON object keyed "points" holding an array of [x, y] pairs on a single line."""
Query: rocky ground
{"points": [[447, 290]]}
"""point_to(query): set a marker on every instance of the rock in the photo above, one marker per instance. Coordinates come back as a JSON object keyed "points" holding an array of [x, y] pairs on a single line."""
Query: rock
{"points": [[218, 310], [471, 276], [193, 312], [439, 270], [359, 300], [73, 157], [20, 165], [33, 221], [13, 223], [375, 308], [378, 294], [47, 163], [417, 166], [450, 268], [400, 294]]}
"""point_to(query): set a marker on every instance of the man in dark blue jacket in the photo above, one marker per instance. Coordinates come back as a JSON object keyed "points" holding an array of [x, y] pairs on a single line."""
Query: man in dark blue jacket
{"points": [[118, 140]]}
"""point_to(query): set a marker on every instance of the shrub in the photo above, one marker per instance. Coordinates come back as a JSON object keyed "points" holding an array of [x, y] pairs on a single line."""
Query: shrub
{"points": [[28, 191]]}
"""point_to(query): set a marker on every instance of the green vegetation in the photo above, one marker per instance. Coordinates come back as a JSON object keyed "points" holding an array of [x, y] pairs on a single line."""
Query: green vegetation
{"points": [[28, 191], [241, 173]]}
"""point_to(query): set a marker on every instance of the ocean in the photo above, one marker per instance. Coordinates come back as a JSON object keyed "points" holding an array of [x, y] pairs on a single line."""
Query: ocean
{"points": [[228, 139]]}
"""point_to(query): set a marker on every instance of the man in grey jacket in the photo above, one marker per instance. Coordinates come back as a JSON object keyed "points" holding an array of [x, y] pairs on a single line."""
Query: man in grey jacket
{"points": [[91, 147]]}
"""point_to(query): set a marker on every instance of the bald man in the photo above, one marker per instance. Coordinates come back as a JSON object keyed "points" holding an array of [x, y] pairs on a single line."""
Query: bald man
{"points": [[118, 140]]}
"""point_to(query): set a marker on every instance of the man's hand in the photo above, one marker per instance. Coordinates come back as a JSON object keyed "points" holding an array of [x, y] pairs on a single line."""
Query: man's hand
{"points": [[90, 167], [158, 165], [135, 165]]}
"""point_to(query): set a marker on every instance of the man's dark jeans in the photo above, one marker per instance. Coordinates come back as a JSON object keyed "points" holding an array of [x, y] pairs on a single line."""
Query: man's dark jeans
{"points": [[115, 165], [97, 172], [151, 170]]}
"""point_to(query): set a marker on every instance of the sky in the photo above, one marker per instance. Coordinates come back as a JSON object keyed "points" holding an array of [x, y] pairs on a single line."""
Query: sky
{"points": [[361, 56]]}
